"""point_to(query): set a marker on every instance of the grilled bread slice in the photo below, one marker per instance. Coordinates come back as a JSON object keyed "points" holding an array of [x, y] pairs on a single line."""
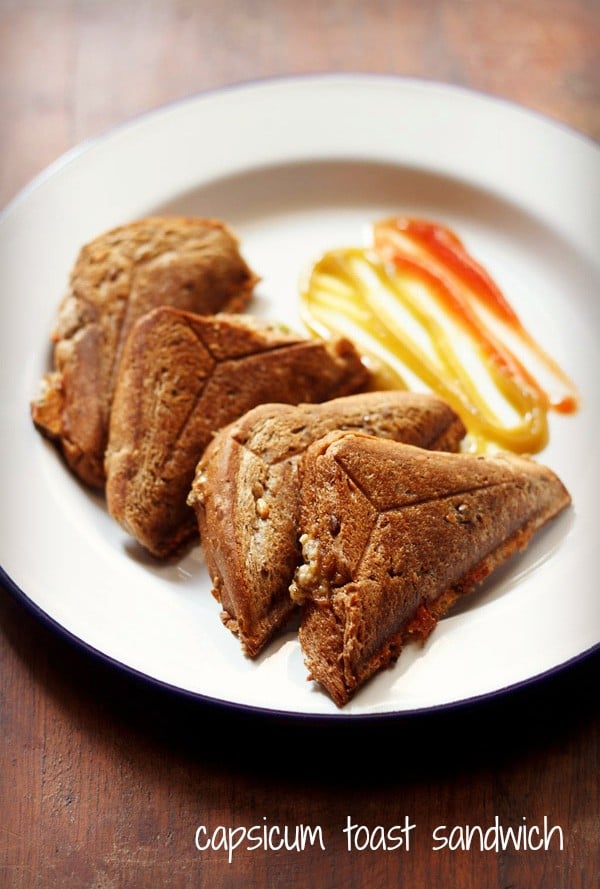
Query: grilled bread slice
{"points": [[247, 480], [182, 378], [193, 264], [392, 535]]}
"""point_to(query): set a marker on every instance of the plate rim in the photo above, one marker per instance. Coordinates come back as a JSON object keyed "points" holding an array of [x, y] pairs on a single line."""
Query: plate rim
{"points": [[92, 141], [201, 699]]}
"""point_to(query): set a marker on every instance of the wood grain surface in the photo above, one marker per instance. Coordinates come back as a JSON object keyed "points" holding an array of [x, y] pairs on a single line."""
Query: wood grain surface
{"points": [[104, 781]]}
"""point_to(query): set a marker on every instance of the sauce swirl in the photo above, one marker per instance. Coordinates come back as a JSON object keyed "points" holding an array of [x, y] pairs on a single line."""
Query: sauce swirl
{"points": [[423, 311]]}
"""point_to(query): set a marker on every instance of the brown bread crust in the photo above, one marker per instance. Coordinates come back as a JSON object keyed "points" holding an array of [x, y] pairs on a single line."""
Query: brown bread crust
{"points": [[247, 480], [192, 264], [183, 377], [393, 535]]}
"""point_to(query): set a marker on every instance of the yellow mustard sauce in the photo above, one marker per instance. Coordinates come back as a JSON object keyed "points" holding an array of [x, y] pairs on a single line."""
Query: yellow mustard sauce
{"points": [[423, 312]]}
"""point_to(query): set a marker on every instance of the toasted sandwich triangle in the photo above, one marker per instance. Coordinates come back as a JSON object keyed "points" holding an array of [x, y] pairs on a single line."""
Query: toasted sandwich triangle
{"points": [[248, 479], [184, 376], [193, 264], [442, 523]]}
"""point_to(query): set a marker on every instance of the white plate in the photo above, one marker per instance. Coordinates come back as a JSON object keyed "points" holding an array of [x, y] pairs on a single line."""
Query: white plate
{"points": [[297, 166]]}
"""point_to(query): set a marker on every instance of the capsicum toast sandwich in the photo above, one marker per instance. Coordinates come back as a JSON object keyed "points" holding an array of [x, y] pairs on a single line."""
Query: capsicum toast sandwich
{"points": [[189, 263], [182, 378], [247, 481], [392, 535]]}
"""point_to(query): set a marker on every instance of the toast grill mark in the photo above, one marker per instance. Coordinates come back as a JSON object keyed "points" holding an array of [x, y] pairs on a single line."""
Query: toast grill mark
{"points": [[457, 513], [215, 365], [224, 368], [454, 515], [199, 247], [418, 501]]}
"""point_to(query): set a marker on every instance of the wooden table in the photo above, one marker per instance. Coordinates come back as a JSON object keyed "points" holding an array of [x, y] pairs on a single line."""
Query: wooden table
{"points": [[104, 782]]}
